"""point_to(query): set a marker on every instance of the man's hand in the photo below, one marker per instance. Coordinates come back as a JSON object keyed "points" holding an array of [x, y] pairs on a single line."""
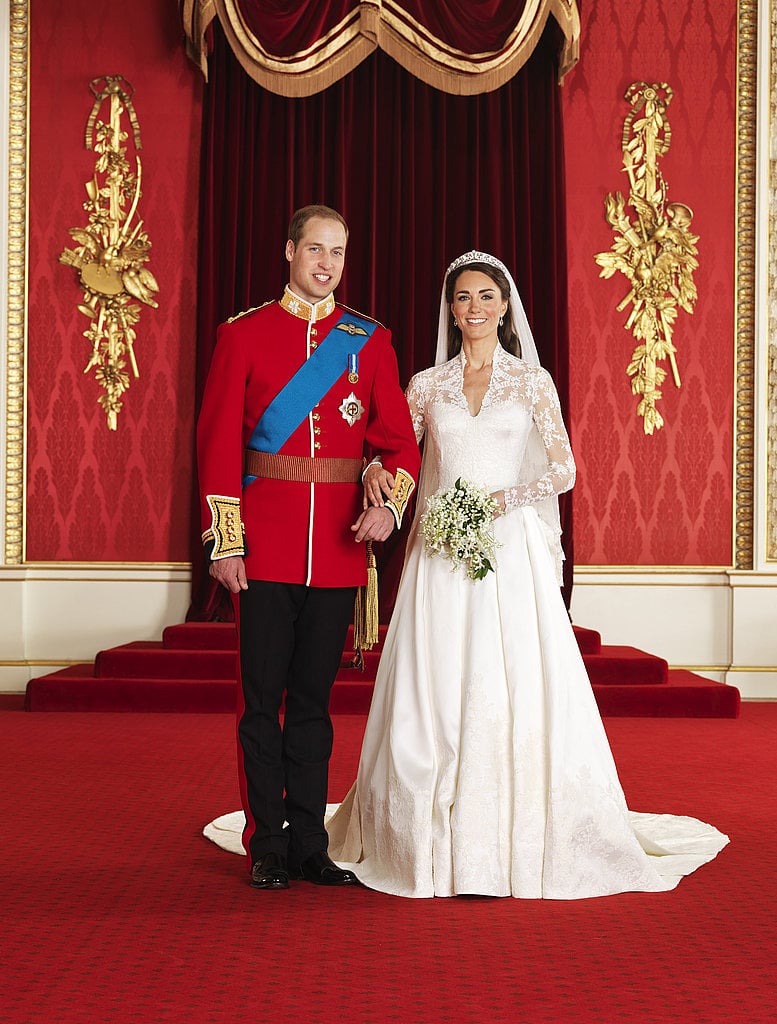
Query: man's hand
{"points": [[374, 524], [230, 573], [377, 483]]}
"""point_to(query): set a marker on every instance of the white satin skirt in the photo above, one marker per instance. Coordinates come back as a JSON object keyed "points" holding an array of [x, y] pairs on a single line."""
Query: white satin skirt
{"points": [[485, 768]]}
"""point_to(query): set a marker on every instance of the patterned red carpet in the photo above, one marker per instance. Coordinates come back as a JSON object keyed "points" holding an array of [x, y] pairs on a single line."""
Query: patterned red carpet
{"points": [[114, 909]]}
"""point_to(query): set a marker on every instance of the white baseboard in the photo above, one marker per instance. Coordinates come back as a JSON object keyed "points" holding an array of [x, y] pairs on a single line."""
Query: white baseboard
{"points": [[54, 615], [720, 623]]}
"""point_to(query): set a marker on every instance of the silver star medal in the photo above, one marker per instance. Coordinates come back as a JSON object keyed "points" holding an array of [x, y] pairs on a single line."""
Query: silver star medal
{"points": [[351, 409]]}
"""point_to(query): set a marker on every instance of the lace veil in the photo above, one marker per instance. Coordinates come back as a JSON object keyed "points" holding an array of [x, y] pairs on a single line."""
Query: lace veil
{"points": [[535, 461]]}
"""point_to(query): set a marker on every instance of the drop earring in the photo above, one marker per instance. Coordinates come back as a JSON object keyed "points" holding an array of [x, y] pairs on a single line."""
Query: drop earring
{"points": [[501, 320]]}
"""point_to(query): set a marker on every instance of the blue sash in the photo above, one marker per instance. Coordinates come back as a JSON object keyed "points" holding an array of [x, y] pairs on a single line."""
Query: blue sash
{"points": [[309, 384]]}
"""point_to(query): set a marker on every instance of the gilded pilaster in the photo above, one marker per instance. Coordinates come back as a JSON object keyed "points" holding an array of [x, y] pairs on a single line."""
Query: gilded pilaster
{"points": [[771, 392], [17, 282], [747, 57]]}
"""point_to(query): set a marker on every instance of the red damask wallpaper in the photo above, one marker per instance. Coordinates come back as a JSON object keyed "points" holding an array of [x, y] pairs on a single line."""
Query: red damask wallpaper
{"points": [[97, 495], [665, 499]]}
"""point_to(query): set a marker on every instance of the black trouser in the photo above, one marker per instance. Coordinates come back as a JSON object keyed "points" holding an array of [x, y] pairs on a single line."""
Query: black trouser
{"points": [[291, 639]]}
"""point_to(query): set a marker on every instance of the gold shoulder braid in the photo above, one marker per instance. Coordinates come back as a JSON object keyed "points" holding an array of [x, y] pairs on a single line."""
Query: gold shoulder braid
{"points": [[245, 312]]}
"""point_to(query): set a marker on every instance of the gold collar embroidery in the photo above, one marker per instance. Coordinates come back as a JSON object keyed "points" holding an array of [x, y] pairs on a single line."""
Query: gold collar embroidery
{"points": [[300, 308]]}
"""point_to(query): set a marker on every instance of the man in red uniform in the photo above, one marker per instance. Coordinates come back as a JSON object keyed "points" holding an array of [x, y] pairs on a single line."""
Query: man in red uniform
{"points": [[297, 388]]}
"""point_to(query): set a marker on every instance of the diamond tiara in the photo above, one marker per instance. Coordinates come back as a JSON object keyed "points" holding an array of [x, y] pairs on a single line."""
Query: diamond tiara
{"points": [[474, 256]]}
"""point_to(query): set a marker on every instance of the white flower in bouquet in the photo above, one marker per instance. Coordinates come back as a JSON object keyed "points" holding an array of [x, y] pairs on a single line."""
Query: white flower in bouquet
{"points": [[458, 523]]}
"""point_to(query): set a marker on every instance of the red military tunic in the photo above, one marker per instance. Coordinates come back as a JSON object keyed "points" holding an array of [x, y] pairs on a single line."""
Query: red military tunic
{"points": [[296, 532]]}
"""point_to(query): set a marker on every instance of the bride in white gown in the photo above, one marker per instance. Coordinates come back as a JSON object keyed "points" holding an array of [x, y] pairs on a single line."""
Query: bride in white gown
{"points": [[485, 768]]}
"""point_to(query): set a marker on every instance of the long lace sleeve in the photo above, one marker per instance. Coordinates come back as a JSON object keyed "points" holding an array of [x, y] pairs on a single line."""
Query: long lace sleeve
{"points": [[415, 400], [559, 475]]}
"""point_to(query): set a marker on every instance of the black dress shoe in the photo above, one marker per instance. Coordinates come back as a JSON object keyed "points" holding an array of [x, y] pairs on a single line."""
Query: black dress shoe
{"points": [[270, 872], [320, 870]]}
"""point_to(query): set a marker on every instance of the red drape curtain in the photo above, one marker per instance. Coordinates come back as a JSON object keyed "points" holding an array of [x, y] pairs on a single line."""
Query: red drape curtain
{"points": [[464, 47], [283, 31], [421, 176]]}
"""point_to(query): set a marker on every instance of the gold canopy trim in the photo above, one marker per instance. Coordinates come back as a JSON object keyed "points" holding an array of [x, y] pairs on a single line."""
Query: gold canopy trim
{"points": [[385, 25]]}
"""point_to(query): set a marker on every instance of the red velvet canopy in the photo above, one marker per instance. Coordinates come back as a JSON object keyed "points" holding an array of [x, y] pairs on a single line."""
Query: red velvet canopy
{"points": [[460, 46], [419, 174]]}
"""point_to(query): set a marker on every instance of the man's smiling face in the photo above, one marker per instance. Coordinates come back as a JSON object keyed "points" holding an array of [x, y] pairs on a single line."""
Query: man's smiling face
{"points": [[316, 262]]}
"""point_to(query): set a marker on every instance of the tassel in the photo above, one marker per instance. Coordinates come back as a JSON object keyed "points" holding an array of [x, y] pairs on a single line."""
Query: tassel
{"points": [[365, 620], [371, 618]]}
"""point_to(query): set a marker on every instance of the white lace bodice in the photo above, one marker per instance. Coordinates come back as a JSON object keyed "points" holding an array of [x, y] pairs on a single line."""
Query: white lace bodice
{"points": [[489, 449]]}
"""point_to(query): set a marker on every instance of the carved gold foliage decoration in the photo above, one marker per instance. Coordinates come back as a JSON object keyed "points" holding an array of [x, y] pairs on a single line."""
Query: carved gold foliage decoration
{"points": [[653, 248], [112, 249]]}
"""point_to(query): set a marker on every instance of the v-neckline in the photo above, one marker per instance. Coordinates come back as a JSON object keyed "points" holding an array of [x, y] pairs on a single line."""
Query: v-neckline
{"points": [[462, 364]]}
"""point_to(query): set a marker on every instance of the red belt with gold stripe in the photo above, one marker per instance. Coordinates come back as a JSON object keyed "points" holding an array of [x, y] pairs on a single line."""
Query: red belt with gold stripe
{"points": [[301, 468]]}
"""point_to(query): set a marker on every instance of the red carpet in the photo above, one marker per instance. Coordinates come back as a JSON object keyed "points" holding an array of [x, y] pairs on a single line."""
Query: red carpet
{"points": [[192, 669], [116, 910]]}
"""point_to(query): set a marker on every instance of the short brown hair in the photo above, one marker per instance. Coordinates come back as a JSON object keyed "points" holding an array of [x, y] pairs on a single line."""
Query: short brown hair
{"points": [[300, 218]]}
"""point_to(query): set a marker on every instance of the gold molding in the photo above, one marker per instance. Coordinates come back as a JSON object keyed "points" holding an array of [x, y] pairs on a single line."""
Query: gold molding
{"points": [[771, 316], [699, 668], [752, 668], [16, 333], [744, 401], [180, 569], [42, 663]]}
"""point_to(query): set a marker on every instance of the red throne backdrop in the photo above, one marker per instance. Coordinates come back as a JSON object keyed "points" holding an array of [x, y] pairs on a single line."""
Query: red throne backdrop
{"points": [[97, 496]]}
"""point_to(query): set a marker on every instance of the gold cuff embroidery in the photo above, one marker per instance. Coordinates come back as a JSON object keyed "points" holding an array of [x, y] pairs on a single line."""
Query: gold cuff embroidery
{"points": [[226, 529], [404, 485]]}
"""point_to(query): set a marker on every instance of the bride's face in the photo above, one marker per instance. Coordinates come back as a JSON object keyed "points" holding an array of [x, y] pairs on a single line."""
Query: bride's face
{"points": [[477, 305]]}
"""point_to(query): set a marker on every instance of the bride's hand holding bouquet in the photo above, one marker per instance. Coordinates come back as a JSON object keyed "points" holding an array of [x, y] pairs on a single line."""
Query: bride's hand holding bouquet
{"points": [[457, 524]]}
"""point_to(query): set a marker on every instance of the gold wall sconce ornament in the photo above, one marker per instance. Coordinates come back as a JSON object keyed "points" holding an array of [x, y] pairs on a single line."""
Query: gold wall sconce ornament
{"points": [[654, 249], [112, 249]]}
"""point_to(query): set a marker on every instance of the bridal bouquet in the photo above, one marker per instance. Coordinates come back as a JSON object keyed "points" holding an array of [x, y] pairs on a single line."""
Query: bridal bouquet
{"points": [[458, 524]]}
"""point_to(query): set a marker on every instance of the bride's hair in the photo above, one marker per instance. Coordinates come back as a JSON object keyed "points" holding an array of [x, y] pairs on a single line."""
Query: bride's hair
{"points": [[508, 339]]}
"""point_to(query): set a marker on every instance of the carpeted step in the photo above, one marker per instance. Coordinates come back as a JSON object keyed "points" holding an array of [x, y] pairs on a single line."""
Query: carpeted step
{"points": [[219, 636], [612, 666], [193, 669], [149, 659], [351, 696], [625, 666], [588, 640], [200, 636], [76, 688], [350, 673], [682, 694], [382, 630], [685, 695], [142, 659]]}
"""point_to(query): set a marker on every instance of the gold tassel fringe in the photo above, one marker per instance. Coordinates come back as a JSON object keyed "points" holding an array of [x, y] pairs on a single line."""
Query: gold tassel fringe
{"points": [[365, 618]]}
